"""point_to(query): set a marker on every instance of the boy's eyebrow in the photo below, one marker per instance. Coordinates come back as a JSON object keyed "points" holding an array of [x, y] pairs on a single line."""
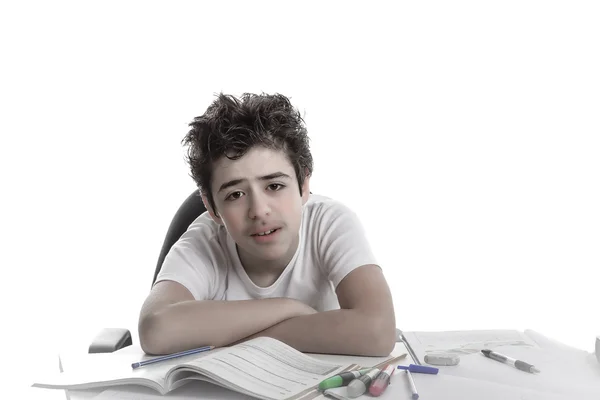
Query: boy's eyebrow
{"points": [[234, 182]]}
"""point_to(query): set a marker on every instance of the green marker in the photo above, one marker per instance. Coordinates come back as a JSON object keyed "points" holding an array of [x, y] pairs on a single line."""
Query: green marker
{"points": [[342, 379]]}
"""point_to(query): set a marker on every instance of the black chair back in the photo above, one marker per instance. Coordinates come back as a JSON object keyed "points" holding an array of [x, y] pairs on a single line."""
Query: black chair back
{"points": [[189, 210]]}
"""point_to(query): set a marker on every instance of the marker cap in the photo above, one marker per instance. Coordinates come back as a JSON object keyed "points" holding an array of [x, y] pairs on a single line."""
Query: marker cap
{"points": [[421, 369]]}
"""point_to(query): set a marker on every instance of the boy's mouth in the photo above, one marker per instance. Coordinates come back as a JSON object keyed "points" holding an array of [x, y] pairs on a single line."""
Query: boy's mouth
{"points": [[265, 233]]}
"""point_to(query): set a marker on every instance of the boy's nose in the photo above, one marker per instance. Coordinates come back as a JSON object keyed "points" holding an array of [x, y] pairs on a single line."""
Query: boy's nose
{"points": [[259, 207]]}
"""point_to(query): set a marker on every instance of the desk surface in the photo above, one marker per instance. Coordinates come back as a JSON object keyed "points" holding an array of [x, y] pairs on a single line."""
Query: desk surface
{"points": [[465, 381]]}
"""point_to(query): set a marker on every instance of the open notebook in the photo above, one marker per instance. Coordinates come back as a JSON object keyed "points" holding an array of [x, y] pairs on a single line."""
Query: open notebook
{"points": [[262, 367]]}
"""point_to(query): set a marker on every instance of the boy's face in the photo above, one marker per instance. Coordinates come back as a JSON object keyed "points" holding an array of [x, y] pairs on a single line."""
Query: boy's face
{"points": [[257, 194]]}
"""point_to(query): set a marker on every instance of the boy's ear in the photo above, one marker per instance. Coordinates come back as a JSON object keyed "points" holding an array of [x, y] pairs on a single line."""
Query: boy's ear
{"points": [[305, 189], [211, 212]]}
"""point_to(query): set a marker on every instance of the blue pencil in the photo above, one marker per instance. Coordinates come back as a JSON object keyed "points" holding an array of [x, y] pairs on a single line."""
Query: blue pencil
{"points": [[170, 356]]}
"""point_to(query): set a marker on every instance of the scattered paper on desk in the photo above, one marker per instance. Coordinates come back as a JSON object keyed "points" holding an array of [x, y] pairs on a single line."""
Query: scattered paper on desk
{"points": [[465, 342]]}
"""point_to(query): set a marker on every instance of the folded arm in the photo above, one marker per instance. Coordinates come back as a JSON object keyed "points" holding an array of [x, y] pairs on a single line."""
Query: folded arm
{"points": [[365, 324], [172, 320]]}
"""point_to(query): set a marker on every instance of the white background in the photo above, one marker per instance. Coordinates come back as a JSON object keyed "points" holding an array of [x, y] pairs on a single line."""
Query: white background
{"points": [[464, 135]]}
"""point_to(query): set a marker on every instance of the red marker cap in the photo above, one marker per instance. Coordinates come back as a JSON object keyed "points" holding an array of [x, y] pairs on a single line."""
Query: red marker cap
{"points": [[382, 381]]}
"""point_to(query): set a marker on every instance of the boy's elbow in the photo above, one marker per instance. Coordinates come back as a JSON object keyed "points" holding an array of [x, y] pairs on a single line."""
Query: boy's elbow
{"points": [[383, 337], [159, 334], [152, 339], [386, 346]]}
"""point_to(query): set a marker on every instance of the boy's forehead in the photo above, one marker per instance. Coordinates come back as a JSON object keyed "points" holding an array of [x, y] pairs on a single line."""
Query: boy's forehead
{"points": [[258, 161]]}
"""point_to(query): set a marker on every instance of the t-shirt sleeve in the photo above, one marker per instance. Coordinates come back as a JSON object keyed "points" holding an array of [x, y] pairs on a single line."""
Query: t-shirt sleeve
{"points": [[342, 242], [193, 261]]}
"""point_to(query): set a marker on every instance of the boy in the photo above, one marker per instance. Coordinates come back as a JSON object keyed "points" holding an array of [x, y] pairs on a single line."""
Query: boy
{"points": [[268, 258]]}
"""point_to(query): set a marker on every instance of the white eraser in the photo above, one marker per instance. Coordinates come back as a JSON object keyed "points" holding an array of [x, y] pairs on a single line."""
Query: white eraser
{"points": [[444, 359]]}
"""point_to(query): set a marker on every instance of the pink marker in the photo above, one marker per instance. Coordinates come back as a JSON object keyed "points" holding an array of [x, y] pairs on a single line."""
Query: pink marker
{"points": [[382, 381]]}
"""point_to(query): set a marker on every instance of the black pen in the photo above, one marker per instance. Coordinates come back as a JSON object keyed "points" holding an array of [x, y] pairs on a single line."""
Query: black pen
{"points": [[522, 365]]}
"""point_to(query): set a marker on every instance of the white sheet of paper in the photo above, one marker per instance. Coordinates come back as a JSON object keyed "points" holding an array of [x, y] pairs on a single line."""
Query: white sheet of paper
{"points": [[465, 342]]}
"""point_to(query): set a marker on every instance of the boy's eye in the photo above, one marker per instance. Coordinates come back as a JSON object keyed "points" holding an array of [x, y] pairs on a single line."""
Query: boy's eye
{"points": [[234, 196], [275, 186]]}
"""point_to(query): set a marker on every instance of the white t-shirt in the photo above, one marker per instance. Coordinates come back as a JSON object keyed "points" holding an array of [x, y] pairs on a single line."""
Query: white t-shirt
{"points": [[332, 244]]}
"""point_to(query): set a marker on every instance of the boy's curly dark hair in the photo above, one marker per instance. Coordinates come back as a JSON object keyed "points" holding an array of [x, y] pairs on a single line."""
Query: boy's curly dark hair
{"points": [[231, 126]]}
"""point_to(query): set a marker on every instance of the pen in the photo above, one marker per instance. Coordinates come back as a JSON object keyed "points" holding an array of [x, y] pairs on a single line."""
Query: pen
{"points": [[382, 381], [522, 365], [170, 356], [415, 395], [342, 379]]}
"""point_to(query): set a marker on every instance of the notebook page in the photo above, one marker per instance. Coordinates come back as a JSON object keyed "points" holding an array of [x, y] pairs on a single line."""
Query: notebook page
{"points": [[89, 371], [267, 368]]}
